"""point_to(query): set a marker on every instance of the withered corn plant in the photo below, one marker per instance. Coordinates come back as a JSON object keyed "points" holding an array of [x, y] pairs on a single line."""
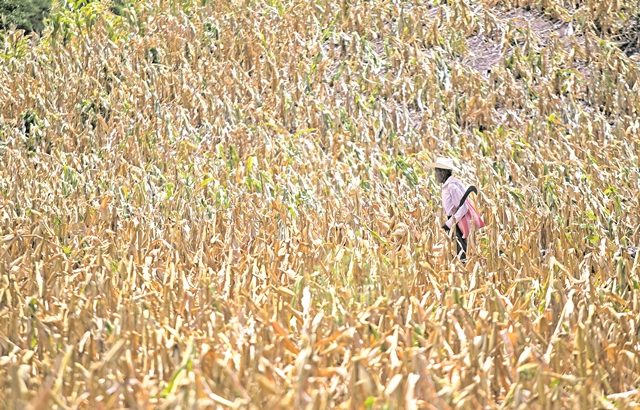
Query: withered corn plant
{"points": [[228, 204]]}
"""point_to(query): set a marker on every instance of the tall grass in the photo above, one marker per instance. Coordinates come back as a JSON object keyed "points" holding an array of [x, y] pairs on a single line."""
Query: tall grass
{"points": [[229, 205]]}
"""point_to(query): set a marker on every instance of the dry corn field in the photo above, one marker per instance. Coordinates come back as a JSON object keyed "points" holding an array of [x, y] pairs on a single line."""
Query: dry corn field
{"points": [[229, 204]]}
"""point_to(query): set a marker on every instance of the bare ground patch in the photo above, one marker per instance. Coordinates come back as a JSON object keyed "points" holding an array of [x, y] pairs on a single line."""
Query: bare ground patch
{"points": [[485, 49]]}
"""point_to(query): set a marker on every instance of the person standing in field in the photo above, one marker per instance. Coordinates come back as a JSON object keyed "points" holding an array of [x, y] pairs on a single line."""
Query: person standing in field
{"points": [[460, 211]]}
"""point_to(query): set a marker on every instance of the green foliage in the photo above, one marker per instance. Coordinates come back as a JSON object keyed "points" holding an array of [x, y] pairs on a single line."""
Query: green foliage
{"points": [[26, 15], [76, 17]]}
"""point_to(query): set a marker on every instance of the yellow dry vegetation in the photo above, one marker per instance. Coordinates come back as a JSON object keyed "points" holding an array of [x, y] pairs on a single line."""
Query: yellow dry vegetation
{"points": [[228, 204]]}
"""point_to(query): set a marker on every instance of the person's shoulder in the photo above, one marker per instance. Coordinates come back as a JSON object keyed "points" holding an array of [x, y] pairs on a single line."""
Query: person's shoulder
{"points": [[453, 181]]}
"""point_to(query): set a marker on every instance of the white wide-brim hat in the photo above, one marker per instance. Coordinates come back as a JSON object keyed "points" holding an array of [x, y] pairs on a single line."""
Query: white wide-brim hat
{"points": [[445, 163]]}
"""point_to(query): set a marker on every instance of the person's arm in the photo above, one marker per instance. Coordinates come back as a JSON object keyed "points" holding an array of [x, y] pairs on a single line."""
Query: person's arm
{"points": [[449, 205]]}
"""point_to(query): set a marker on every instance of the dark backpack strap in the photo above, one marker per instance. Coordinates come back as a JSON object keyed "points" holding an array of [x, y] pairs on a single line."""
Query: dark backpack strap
{"points": [[466, 195]]}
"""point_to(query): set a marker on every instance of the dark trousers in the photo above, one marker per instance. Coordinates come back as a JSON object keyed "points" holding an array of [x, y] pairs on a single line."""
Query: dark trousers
{"points": [[461, 245]]}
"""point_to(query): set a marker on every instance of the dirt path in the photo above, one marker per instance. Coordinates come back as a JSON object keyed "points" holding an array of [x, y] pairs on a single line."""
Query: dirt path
{"points": [[485, 50]]}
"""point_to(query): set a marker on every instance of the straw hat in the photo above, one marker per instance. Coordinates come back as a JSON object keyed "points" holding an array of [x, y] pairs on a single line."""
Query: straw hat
{"points": [[445, 163]]}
